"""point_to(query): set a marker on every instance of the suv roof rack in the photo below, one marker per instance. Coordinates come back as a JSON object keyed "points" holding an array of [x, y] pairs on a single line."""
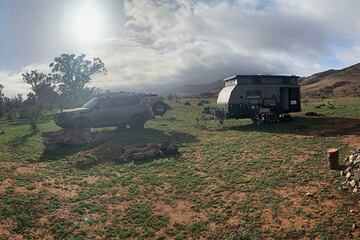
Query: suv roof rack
{"points": [[110, 94]]}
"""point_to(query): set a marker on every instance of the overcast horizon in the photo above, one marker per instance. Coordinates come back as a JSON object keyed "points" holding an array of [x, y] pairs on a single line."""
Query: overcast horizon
{"points": [[158, 44]]}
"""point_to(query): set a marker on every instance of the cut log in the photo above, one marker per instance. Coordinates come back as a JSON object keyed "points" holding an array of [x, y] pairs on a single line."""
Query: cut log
{"points": [[333, 158]]}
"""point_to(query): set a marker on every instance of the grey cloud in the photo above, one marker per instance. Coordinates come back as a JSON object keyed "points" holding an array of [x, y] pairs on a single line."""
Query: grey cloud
{"points": [[165, 43]]}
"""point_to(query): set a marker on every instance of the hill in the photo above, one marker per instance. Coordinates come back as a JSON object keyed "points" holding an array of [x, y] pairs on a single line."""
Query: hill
{"points": [[343, 82]]}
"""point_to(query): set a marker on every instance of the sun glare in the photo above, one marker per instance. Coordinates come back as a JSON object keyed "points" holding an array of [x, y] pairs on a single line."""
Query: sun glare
{"points": [[87, 23]]}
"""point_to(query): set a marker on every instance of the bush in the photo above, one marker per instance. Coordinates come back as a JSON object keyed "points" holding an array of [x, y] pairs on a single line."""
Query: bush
{"points": [[32, 113], [203, 102], [187, 103]]}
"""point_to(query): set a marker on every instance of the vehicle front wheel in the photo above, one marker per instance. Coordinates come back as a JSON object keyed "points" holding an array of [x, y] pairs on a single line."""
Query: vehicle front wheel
{"points": [[137, 122]]}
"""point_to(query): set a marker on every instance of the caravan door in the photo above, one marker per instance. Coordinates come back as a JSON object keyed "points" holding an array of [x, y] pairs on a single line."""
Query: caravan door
{"points": [[284, 100]]}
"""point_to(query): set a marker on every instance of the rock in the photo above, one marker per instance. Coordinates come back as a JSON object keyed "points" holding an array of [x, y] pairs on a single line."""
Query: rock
{"points": [[352, 173], [352, 183], [357, 176], [357, 161], [353, 226], [352, 211], [309, 194]]}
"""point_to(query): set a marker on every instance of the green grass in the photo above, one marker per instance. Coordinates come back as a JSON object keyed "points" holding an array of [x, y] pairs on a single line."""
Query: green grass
{"points": [[241, 182]]}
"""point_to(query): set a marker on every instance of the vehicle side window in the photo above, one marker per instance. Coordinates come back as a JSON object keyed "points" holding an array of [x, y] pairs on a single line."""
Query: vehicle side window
{"points": [[104, 103], [125, 101]]}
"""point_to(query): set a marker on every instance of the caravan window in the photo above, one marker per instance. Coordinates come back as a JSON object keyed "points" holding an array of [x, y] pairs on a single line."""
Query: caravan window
{"points": [[230, 83], [253, 94]]}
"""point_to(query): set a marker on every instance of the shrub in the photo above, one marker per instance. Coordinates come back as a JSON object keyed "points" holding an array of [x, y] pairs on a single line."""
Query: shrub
{"points": [[203, 102], [32, 113], [187, 103]]}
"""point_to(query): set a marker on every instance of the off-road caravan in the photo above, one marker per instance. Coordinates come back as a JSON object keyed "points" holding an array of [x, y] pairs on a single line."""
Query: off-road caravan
{"points": [[265, 97]]}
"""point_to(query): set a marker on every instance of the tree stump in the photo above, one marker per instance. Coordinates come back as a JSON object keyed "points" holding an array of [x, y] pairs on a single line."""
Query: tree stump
{"points": [[333, 158]]}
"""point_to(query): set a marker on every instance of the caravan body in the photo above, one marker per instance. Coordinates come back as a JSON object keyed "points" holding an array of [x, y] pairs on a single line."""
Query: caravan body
{"points": [[245, 95]]}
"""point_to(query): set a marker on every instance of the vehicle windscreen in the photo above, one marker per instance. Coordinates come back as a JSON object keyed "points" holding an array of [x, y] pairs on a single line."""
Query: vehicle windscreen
{"points": [[90, 104]]}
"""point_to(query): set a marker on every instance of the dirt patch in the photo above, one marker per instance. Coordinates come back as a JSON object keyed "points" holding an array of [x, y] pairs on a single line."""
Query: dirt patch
{"points": [[182, 212], [233, 196], [44, 219], [6, 165], [120, 191], [117, 209], [4, 185], [26, 190], [163, 188], [238, 196], [108, 151], [353, 141], [297, 193], [62, 213], [6, 230], [65, 191], [304, 155], [91, 179], [25, 170], [43, 233], [234, 221], [267, 219], [329, 205]]}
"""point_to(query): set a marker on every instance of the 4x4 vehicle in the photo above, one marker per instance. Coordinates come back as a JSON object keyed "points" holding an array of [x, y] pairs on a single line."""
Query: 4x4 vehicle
{"points": [[112, 109]]}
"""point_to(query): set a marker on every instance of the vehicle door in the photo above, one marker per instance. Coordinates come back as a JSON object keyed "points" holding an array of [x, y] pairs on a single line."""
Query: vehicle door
{"points": [[125, 107], [102, 113]]}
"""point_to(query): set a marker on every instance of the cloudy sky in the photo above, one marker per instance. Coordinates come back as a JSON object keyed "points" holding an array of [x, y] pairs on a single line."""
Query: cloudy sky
{"points": [[147, 44]]}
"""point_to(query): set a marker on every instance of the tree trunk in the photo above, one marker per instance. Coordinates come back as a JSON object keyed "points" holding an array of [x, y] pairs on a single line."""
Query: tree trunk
{"points": [[333, 158]]}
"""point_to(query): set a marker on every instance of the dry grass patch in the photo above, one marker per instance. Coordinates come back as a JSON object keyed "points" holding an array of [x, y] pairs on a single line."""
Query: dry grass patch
{"points": [[182, 212], [6, 183], [91, 179], [64, 191], [353, 141], [26, 170]]}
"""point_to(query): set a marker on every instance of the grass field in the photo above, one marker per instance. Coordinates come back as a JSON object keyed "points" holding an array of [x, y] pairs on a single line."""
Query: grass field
{"points": [[242, 182]]}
